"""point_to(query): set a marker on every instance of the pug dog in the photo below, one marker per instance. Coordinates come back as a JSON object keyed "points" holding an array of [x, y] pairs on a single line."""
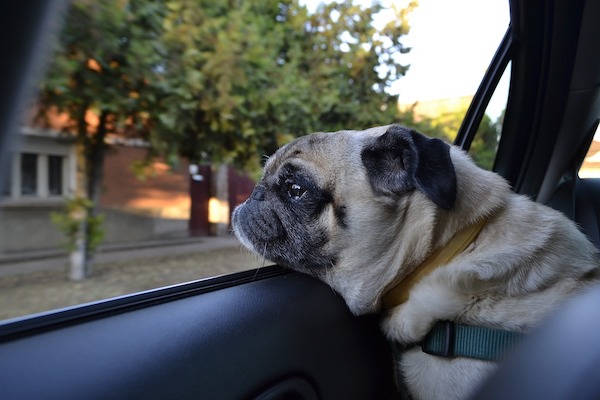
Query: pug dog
{"points": [[365, 212]]}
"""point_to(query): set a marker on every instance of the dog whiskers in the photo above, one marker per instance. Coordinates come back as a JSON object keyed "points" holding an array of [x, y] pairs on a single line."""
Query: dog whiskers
{"points": [[263, 262]]}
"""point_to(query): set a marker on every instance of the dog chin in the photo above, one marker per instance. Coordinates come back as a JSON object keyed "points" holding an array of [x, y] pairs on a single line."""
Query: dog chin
{"points": [[359, 307], [355, 299]]}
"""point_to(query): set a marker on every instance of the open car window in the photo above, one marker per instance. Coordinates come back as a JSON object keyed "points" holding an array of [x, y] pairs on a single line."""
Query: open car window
{"points": [[591, 163], [185, 102]]}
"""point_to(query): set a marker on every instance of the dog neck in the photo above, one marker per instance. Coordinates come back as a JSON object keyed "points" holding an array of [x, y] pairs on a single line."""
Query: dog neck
{"points": [[399, 293]]}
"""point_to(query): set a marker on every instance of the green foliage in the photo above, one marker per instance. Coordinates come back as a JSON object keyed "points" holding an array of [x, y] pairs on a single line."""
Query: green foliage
{"points": [[485, 144], [240, 79], [224, 81], [232, 81], [69, 221]]}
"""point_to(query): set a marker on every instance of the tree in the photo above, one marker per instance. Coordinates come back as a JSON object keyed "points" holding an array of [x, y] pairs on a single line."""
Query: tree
{"points": [[99, 78], [243, 77], [353, 64]]}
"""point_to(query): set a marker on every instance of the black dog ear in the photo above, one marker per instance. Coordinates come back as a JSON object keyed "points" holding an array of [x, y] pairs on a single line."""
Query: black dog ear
{"points": [[401, 160]]}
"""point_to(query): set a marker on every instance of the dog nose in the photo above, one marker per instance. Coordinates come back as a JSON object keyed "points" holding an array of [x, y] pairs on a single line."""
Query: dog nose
{"points": [[258, 193]]}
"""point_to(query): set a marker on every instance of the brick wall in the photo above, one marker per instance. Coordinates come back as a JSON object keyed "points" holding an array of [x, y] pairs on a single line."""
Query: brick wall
{"points": [[163, 192]]}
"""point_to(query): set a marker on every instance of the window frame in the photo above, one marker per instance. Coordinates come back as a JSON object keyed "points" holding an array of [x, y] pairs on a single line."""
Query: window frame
{"points": [[485, 91], [42, 144]]}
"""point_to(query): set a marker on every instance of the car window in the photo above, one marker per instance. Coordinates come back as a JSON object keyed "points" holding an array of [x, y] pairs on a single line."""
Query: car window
{"points": [[153, 119], [485, 143], [591, 163]]}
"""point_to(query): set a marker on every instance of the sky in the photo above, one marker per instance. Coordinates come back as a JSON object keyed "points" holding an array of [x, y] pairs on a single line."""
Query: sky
{"points": [[453, 42]]}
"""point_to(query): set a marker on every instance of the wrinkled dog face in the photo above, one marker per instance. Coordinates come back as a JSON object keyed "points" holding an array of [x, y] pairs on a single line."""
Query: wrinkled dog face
{"points": [[324, 194], [294, 209]]}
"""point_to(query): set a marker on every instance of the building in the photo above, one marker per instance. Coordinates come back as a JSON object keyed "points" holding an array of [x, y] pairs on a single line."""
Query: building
{"points": [[139, 203], [40, 177]]}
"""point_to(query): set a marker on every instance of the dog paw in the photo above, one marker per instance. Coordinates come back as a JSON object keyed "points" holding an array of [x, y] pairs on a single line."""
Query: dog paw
{"points": [[428, 303], [405, 327]]}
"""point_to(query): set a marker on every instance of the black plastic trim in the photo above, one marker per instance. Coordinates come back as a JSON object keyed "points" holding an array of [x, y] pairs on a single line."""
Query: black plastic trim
{"points": [[546, 35], [484, 93], [28, 27]]}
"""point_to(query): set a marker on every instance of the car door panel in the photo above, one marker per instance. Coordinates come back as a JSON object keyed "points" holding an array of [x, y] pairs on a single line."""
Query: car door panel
{"points": [[228, 343]]}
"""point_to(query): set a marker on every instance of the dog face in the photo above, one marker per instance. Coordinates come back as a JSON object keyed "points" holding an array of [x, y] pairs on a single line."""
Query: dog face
{"points": [[333, 205]]}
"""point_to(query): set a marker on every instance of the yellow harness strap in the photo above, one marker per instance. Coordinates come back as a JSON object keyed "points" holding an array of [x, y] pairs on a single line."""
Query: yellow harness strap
{"points": [[399, 293]]}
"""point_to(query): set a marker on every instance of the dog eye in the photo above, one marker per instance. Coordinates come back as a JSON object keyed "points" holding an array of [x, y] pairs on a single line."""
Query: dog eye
{"points": [[295, 191]]}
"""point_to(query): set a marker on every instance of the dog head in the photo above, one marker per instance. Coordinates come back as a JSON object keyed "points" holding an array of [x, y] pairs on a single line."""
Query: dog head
{"points": [[352, 208]]}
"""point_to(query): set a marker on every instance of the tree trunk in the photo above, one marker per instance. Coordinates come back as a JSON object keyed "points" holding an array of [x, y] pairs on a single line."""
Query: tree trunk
{"points": [[90, 161], [78, 270], [79, 212], [95, 175]]}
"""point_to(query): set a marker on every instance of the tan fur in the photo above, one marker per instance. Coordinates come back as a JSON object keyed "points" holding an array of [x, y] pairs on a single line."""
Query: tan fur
{"points": [[525, 262]]}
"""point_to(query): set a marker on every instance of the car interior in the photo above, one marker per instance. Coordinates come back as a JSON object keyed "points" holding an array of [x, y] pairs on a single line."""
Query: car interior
{"points": [[276, 334]]}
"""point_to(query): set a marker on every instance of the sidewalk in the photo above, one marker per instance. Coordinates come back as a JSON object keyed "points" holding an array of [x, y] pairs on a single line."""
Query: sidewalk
{"points": [[27, 262]]}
